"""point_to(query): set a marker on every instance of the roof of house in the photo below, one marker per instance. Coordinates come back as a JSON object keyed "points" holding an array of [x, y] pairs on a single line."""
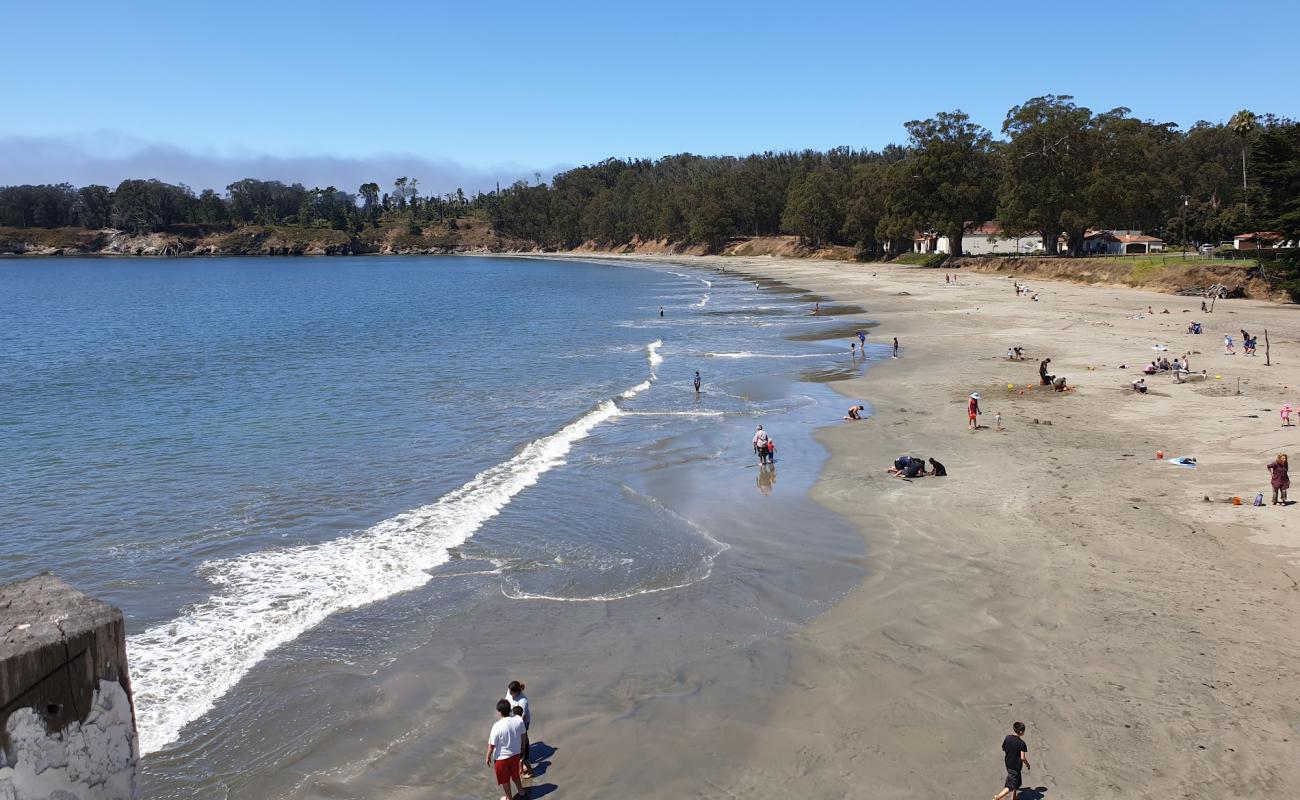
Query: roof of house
{"points": [[1121, 237], [985, 229], [1260, 234]]}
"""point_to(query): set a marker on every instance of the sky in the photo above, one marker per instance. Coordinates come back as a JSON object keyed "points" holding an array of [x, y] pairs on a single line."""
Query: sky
{"points": [[470, 93]]}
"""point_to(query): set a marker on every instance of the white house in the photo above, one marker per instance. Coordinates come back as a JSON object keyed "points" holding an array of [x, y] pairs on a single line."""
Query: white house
{"points": [[982, 240], [1115, 243], [1250, 241]]}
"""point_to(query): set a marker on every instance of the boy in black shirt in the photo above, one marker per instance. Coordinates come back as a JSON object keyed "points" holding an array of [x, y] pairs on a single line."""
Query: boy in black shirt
{"points": [[1014, 755]]}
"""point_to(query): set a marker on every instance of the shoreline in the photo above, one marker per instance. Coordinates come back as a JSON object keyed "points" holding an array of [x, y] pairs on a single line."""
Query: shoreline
{"points": [[1060, 575]]}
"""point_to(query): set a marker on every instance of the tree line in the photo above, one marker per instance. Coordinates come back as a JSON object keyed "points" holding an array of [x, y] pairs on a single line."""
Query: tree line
{"points": [[1056, 168], [142, 206]]}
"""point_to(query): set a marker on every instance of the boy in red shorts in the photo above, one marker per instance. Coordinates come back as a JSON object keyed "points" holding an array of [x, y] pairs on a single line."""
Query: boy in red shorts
{"points": [[505, 743]]}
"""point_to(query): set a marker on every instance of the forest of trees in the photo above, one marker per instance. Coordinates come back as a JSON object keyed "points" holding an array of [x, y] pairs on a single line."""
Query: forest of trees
{"points": [[1056, 166]]}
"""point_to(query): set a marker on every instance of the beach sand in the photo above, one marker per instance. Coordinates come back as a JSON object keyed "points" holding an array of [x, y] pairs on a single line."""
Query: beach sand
{"points": [[1060, 575]]}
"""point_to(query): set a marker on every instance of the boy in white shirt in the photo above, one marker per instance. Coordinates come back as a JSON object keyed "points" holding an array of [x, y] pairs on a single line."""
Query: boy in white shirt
{"points": [[505, 743]]}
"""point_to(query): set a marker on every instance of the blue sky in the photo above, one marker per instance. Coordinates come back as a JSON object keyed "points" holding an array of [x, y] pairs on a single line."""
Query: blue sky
{"points": [[502, 88]]}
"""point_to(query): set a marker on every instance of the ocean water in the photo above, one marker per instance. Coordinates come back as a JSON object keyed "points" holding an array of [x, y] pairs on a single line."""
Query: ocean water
{"points": [[237, 451]]}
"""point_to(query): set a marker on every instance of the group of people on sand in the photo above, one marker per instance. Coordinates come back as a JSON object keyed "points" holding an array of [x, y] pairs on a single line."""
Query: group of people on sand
{"points": [[1024, 291], [1057, 382], [1248, 343], [507, 752], [909, 467]]}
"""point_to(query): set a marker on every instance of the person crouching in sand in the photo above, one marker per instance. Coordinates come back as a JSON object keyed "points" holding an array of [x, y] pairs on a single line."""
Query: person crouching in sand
{"points": [[1015, 756], [855, 412]]}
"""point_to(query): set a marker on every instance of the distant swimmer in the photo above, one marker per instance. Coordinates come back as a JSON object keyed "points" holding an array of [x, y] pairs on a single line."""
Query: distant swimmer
{"points": [[697, 381]]}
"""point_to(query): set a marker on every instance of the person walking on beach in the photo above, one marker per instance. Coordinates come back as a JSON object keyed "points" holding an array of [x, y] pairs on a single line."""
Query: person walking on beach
{"points": [[697, 381], [505, 742], [973, 409], [760, 445], [1227, 344], [1280, 480], [1015, 756], [515, 696], [895, 347]]}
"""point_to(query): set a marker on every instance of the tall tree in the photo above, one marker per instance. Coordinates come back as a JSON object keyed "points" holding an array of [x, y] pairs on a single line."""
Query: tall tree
{"points": [[812, 211], [1046, 168], [1244, 123], [952, 181]]}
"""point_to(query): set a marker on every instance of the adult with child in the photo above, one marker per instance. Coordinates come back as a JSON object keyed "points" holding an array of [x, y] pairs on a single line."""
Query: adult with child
{"points": [[519, 705], [973, 410], [1043, 376]]}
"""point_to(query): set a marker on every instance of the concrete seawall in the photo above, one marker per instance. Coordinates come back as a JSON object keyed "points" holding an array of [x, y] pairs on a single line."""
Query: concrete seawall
{"points": [[67, 726]]}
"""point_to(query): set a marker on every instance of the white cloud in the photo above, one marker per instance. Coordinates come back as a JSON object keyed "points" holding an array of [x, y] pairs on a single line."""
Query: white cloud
{"points": [[110, 158]]}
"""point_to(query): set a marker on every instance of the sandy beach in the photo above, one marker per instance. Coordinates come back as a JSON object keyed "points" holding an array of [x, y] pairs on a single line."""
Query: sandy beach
{"points": [[1061, 574]]}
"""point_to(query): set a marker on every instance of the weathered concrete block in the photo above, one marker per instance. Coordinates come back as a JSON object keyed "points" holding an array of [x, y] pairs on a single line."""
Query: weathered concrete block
{"points": [[67, 727]]}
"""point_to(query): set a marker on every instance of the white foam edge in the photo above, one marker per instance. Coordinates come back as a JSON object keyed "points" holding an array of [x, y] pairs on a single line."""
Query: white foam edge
{"points": [[265, 599]]}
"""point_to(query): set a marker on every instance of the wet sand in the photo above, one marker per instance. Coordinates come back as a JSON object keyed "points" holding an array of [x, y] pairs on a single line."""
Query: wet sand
{"points": [[1061, 575]]}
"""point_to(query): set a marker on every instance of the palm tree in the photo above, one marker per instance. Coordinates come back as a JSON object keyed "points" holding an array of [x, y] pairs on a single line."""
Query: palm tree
{"points": [[1243, 123]]}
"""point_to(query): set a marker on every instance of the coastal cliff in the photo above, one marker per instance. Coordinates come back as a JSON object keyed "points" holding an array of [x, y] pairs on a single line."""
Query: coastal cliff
{"points": [[462, 236]]}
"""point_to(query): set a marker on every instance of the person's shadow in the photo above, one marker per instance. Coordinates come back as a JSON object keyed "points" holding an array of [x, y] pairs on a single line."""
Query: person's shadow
{"points": [[1032, 793], [540, 754]]}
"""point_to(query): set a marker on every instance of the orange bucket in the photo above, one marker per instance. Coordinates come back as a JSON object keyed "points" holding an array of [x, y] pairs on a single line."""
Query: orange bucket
{"points": [[1236, 501], [1160, 454]]}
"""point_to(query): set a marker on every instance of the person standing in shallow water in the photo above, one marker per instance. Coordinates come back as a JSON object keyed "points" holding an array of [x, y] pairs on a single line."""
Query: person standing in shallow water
{"points": [[697, 381], [895, 347], [1015, 756], [661, 311], [760, 445]]}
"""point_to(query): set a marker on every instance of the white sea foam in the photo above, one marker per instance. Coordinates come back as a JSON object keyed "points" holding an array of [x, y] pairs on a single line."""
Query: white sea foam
{"points": [[652, 354], [703, 301], [747, 354], [673, 413], [180, 669]]}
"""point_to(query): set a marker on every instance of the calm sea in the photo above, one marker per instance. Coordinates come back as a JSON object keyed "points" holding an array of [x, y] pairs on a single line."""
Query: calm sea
{"points": [[234, 450]]}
